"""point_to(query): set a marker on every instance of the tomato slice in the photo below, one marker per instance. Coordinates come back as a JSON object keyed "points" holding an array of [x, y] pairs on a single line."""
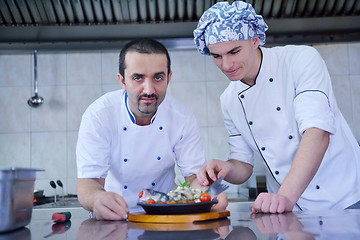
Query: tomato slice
{"points": [[150, 201], [205, 197], [141, 194]]}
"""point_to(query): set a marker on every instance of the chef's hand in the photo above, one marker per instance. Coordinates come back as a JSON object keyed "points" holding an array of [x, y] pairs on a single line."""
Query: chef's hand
{"points": [[212, 170], [110, 206], [271, 203], [222, 197], [222, 202]]}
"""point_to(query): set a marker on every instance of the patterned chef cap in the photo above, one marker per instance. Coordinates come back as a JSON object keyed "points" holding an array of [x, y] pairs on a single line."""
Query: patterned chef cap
{"points": [[224, 22]]}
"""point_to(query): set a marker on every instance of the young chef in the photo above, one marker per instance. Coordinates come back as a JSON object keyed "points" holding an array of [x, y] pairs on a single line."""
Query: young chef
{"points": [[131, 139], [279, 105]]}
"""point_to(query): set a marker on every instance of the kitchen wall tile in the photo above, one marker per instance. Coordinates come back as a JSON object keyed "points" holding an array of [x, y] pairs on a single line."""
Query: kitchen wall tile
{"points": [[15, 150], [110, 87], [84, 68], [79, 98], [214, 90], [71, 154], [213, 73], [342, 88], [193, 95], [71, 186], [336, 57], [15, 112], [51, 115], [51, 69], [354, 58], [187, 65], [16, 70], [49, 152], [355, 93], [110, 67]]}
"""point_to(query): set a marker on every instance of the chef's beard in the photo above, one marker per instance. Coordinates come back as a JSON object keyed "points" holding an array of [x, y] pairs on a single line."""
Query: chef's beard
{"points": [[148, 108]]}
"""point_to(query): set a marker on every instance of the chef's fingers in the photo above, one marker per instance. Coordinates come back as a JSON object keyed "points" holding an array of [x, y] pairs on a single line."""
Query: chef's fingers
{"points": [[201, 176], [222, 202], [256, 207], [122, 203], [119, 206], [207, 172], [281, 207], [211, 173], [213, 167], [110, 206], [102, 212], [265, 206], [274, 206]]}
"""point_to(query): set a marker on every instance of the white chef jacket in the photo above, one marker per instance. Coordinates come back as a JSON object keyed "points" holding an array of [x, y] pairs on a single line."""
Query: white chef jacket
{"points": [[292, 93], [132, 157]]}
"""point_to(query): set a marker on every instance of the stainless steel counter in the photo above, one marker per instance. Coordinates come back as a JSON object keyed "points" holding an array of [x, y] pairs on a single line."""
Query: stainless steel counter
{"points": [[240, 225]]}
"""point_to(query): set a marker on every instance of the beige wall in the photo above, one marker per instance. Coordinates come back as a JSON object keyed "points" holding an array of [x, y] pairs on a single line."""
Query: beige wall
{"points": [[69, 81]]}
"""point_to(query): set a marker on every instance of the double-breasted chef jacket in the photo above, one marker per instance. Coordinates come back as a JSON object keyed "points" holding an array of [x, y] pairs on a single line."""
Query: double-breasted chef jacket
{"points": [[292, 93], [131, 157]]}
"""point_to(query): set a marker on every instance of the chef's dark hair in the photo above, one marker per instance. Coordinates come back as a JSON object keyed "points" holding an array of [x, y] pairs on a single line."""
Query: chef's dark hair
{"points": [[143, 45]]}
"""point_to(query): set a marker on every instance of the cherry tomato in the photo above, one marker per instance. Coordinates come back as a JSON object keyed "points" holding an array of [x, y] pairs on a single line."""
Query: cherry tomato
{"points": [[150, 201], [141, 194], [205, 197]]}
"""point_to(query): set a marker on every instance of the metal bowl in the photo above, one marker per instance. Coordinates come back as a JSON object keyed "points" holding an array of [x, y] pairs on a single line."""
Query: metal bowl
{"points": [[16, 197]]}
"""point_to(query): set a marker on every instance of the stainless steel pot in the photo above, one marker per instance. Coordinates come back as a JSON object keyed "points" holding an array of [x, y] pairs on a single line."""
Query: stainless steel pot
{"points": [[16, 197]]}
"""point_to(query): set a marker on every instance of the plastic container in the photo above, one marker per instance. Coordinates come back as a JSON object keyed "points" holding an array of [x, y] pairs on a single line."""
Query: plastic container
{"points": [[16, 197]]}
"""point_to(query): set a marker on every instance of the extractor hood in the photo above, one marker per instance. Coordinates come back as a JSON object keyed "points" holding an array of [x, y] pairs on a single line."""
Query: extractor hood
{"points": [[66, 24]]}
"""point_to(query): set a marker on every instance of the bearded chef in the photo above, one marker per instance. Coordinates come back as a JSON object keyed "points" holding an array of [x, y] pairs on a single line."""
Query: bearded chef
{"points": [[131, 139], [279, 105]]}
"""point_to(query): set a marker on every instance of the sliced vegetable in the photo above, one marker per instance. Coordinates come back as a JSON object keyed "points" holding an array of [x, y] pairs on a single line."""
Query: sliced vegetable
{"points": [[150, 201]]}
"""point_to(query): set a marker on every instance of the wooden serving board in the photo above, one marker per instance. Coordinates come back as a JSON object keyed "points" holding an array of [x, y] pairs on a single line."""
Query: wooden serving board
{"points": [[179, 218]]}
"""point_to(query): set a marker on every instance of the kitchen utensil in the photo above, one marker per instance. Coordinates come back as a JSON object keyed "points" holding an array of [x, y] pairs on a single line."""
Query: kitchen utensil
{"points": [[36, 100], [60, 217], [53, 185], [60, 184], [216, 187], [179, 218], [177, 208], [16, 197]]}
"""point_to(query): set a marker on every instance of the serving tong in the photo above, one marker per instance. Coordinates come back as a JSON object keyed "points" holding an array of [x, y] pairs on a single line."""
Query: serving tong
{"points": [[216, 188]]}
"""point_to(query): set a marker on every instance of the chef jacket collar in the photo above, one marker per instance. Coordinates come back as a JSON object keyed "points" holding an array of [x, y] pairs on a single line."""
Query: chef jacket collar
{"points": [[131, 115]]}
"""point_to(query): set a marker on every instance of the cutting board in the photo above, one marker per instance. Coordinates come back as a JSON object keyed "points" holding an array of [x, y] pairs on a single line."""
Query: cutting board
{"points": [[179, 218]]}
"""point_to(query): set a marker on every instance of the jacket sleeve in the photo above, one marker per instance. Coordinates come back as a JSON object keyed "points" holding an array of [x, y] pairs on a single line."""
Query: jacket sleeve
{"points": [[313, 104]]}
